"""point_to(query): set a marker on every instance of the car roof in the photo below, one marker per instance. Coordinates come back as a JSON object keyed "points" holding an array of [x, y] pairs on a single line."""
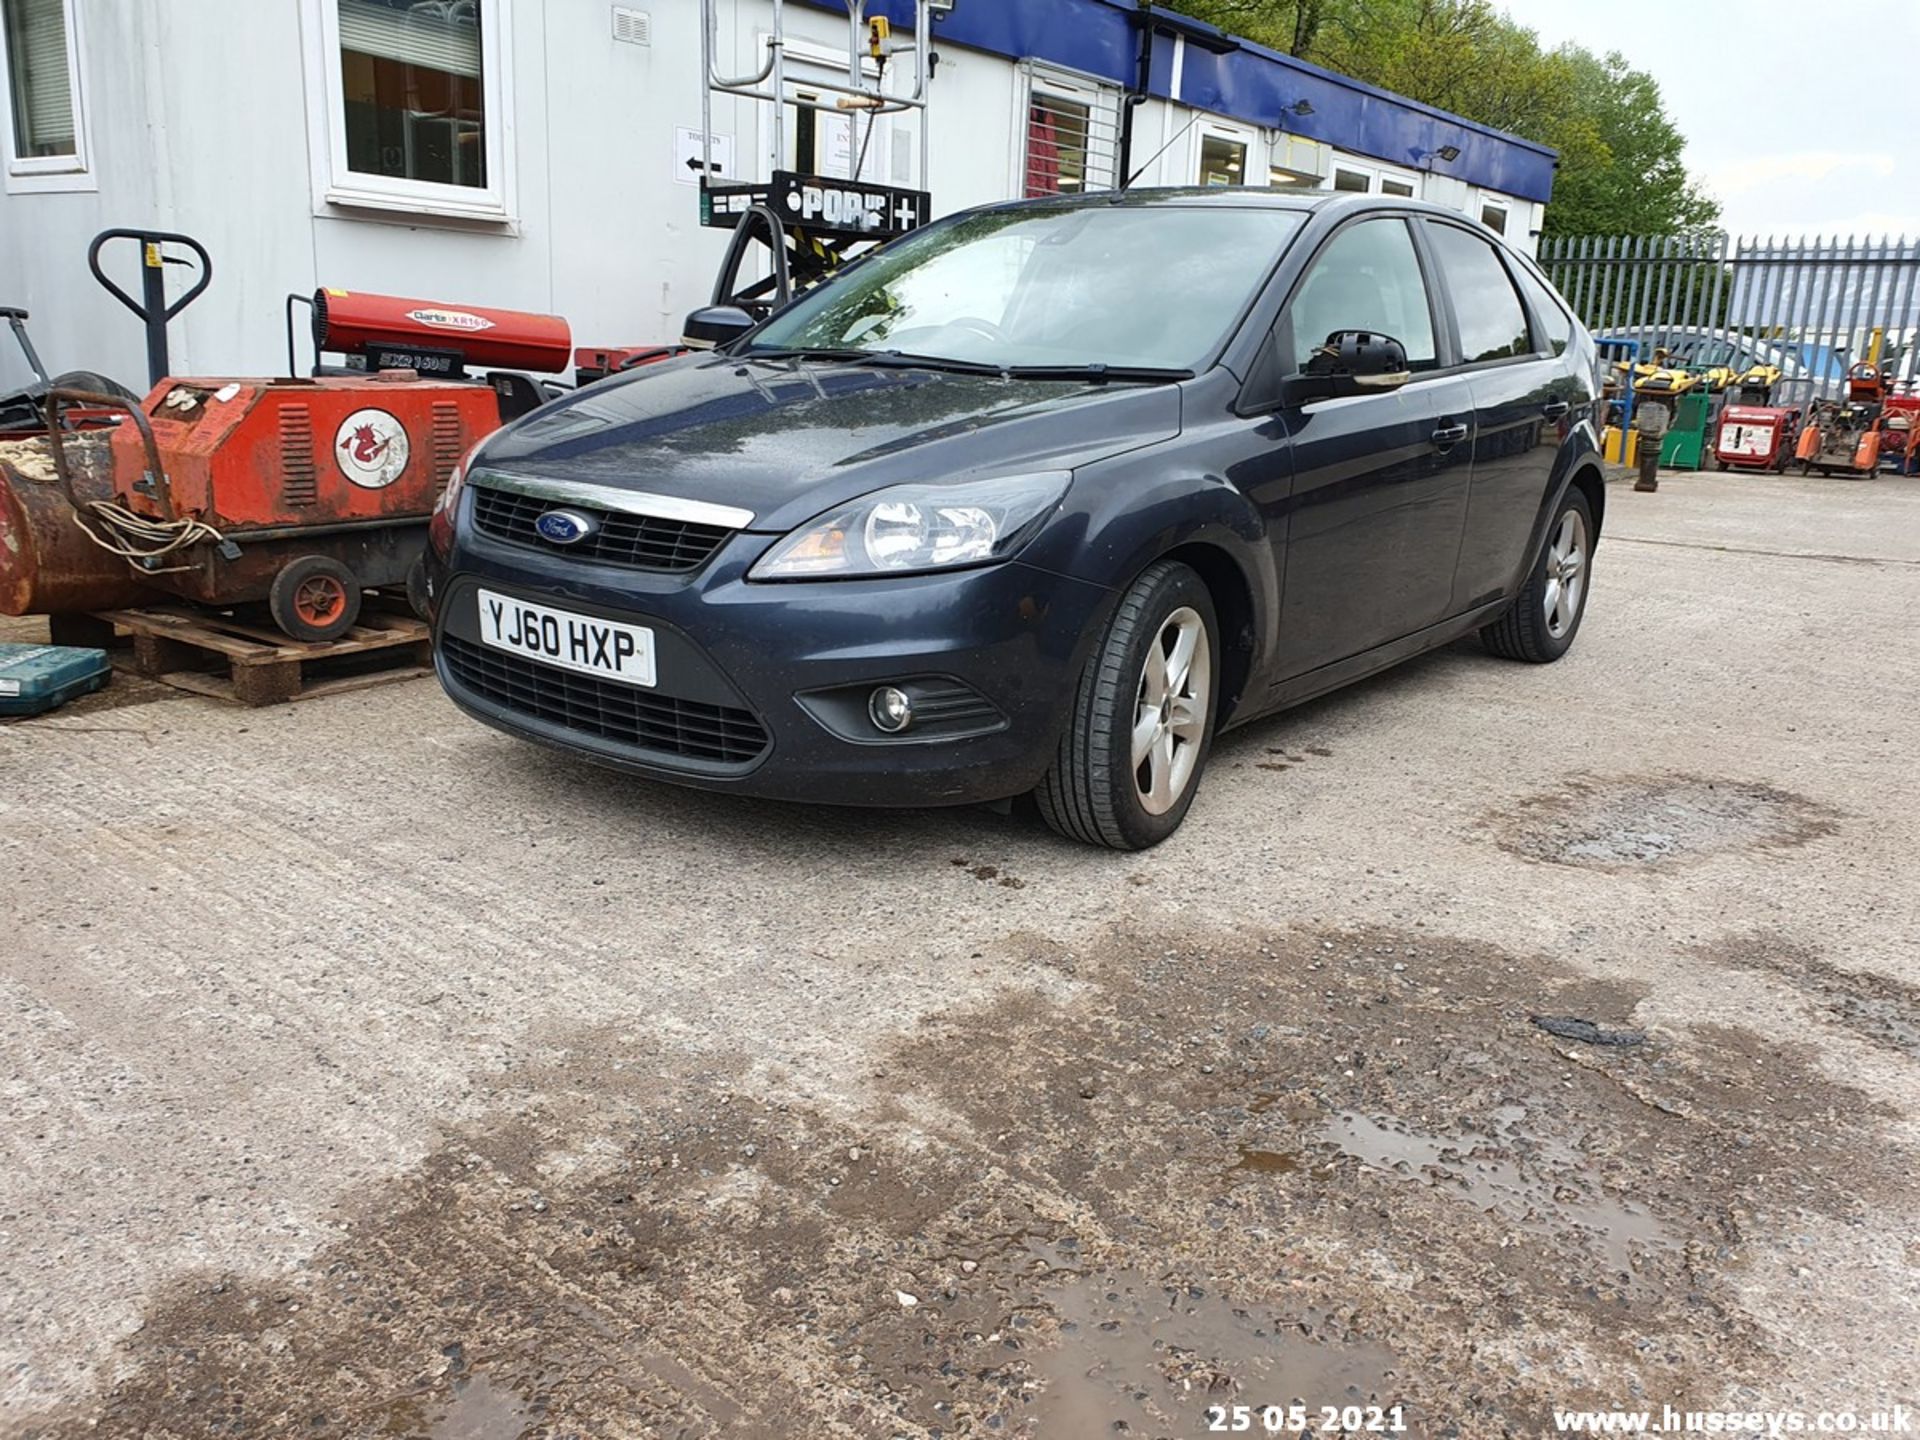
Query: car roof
{"points": [[1230, 197]]}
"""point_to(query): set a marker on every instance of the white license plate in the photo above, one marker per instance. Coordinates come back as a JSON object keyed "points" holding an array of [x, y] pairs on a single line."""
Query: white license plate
{"points": [[607, 649]]}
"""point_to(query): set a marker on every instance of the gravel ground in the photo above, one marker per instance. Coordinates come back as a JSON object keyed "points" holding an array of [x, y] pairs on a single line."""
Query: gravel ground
{"points": [[364, 1072]]}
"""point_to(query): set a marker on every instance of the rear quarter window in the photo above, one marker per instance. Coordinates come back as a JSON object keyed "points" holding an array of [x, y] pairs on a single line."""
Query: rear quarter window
{"points": [[1487, 307], [1556, 325]]}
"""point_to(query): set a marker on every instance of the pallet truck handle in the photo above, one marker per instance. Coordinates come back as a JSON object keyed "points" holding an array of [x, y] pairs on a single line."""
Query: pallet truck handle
{"points": [[16, 319], [163, 490], [152, 308]]}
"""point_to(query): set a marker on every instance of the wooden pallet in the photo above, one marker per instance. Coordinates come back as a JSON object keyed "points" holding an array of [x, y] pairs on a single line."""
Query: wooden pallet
{"points": [[246, 664]]}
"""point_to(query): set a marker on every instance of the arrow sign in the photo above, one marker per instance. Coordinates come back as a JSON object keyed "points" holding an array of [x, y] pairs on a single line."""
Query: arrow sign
{"points": [[688, 162]]}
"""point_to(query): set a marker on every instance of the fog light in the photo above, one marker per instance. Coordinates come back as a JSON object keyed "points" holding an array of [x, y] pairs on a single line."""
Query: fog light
{"points": [[890, 709]]}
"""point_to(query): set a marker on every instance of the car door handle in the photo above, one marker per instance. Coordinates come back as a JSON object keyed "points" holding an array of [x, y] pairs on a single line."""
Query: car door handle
{"points": [[1449, 435], [1554, 409]]}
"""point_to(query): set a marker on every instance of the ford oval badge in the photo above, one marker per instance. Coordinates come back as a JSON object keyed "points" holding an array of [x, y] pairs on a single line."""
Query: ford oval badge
{"points": [[565, 527]]}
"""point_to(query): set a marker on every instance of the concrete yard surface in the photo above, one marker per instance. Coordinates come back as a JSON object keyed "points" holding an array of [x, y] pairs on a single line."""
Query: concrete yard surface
{"points": [[364, 1072]]}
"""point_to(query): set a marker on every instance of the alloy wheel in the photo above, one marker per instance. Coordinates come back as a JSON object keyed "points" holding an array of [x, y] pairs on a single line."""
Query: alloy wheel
{"points": [[1170, 711], [1566, 573]]}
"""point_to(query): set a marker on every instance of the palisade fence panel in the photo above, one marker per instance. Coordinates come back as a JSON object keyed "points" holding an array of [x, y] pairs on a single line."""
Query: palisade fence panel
{"points": [[1808, 304]]}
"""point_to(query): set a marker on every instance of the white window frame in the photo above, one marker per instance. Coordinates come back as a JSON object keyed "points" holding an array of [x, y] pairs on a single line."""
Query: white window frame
{"points": [[1333, 176], [1377, 176], [1490, 201], [339, 189], [44, 174], [1251, 161], [1102, 104], [1295, 155]]}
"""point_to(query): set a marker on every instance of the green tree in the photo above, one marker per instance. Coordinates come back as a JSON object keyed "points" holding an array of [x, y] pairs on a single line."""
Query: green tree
{"points": [[1621, 170]]}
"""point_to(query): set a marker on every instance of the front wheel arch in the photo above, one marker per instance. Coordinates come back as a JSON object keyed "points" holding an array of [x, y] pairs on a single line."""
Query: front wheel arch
{"points": [[1234, 615]]}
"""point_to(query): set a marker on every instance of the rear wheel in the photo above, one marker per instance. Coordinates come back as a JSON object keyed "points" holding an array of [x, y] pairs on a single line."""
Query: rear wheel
{"points": [[1130, 762], [1540, 625], [315, 598]]}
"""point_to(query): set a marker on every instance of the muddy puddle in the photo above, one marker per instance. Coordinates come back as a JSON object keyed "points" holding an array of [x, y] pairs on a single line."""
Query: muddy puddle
{"points": [[1136, 1354], [1618, 823], [1266, 1169], [476, 1407], [1480, 1170]]}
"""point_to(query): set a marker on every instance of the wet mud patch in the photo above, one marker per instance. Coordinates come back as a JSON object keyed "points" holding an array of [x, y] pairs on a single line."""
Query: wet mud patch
{"points": [[1879, 1009], [1613, 824], [990, 874], [1328, 1169]]}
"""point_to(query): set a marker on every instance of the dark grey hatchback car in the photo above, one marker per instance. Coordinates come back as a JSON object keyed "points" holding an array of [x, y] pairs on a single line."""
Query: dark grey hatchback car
{"points": [[1040, 498]]}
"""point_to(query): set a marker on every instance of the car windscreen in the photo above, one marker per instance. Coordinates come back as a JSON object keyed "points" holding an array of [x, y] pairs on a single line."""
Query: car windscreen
{"points": [[1119, 285]]}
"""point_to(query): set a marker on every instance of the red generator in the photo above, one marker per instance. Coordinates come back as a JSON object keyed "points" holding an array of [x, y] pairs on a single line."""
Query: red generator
{"points": [[1754, 437], [301, 493], [1900, 434]]}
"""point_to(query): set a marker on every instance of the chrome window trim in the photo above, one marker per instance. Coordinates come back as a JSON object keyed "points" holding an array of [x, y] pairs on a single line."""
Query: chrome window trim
{"points": [[611, 497]]}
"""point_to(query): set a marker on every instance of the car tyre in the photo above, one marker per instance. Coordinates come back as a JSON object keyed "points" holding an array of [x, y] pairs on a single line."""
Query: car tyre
{"points": [[1540, 625], [1131, 758]]}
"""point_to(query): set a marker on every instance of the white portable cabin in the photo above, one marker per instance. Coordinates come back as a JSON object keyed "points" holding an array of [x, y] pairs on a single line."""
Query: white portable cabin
{"points": [[545, 154]]}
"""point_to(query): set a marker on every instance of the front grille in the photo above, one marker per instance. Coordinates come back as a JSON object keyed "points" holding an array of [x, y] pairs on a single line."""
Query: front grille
{"points": [[623, 713], [639, 542]]}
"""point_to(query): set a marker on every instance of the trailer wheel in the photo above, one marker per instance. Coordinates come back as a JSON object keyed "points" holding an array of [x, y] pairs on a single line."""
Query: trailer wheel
{"points": [[314, 598]]}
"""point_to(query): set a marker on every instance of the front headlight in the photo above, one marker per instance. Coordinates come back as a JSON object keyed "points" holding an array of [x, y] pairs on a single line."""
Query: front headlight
{"points": [[911, 528]]}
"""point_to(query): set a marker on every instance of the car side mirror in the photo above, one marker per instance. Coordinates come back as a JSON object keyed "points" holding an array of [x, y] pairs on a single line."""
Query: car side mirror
{"points": [[1351, 362], [713, 325]]}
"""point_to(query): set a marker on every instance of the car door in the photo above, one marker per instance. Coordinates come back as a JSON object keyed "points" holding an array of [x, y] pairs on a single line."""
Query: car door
{"points": [[1380, 481], [1524, 401]]}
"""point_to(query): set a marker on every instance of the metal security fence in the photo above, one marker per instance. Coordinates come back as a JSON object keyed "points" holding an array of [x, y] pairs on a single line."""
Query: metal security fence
{"points": [[1810, 305]]}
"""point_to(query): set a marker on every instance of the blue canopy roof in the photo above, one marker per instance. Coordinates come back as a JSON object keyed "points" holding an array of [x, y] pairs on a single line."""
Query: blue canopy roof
{"points": [[1243, 81]]}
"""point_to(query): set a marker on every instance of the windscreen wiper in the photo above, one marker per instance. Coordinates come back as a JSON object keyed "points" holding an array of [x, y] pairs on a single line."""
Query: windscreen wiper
{"points": [[803, 352], [1093, 373], [1098, 374], [899, 359]]}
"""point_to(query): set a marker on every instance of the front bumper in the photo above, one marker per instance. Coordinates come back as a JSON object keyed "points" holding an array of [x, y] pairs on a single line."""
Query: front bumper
{"points": [[733, 655]]}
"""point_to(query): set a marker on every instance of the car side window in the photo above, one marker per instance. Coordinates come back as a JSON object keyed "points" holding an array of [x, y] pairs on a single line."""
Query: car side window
{"points": [[1366, 278], [1492, 324], [1556, 324]]}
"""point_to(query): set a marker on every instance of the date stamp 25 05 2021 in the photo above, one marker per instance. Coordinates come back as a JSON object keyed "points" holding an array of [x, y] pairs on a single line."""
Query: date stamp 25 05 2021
{"points": [[1307, 1419]]}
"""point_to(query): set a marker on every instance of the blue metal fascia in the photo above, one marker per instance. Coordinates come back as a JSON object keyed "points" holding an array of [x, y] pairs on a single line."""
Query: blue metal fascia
{"points": [[1248, 82], [1262, 86]]}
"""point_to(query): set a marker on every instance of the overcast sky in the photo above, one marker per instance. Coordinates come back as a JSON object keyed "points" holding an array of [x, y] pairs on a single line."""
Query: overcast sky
{"points": [[1799, 117]]}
